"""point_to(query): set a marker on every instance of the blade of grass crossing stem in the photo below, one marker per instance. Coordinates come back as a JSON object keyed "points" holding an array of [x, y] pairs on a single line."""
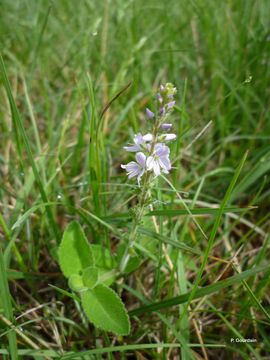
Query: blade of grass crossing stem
{"points": [[185, 206], [203, 291], [6, 302], [93, 156], [214, 231], [17, 122]]}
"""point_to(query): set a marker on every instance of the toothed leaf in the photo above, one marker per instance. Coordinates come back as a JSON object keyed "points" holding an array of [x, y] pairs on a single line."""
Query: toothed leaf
{"points": [[105, 310], [75, 282], [74, 251], [90, 277]]}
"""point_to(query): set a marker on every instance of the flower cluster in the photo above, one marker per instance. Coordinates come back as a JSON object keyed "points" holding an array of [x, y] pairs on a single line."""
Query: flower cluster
{"points": [[152, 153]]}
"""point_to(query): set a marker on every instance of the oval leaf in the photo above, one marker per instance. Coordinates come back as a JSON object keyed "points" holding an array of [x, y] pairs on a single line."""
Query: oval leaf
{"points": [[74, 251], [90, 277], [75, 282], [105, 310]]}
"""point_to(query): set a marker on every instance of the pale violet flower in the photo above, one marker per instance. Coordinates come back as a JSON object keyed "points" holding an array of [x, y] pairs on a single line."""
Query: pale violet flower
{"points": [[160, 161], [139, 141], [170, 105], [159, 98], [136, 168], [166, 126], [168, 137], [150, 113]]}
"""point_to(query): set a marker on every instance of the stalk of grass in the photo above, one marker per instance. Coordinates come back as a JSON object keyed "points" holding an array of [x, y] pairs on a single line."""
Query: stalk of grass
{"points": [[203, 291], [6, 302]]}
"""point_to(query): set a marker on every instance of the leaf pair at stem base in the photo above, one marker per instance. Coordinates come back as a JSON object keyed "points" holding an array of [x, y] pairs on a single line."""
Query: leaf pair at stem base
{"points": [[103, 307]]}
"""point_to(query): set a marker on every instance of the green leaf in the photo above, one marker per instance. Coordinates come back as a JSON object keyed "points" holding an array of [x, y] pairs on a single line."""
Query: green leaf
{"points": [[74, 251], [102, 257], [105, 310], [105, 263], [75, 282], [90, 277]]}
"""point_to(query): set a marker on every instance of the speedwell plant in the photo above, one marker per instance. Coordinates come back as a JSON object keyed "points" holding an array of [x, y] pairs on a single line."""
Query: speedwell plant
{"points": [[91, 269]]}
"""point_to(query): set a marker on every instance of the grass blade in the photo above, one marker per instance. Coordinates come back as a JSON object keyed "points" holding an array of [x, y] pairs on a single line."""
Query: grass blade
{"points": [[206, 290], [6, 301]]}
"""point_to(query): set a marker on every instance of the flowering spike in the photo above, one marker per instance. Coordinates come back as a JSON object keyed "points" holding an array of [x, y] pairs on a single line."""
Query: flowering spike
{"points": [[152, 155], [152, 158]]}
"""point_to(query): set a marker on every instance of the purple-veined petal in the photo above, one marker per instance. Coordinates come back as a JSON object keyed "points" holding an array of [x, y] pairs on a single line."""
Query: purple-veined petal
{"points": [[138, 139], [150, 113], [165, 163], [132, 148], [150, 163], [161, 150], [141, 159], [132, 168]]}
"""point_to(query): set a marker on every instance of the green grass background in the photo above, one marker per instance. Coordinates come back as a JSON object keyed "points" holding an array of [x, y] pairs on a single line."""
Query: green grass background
{"points": [[65, 61]]}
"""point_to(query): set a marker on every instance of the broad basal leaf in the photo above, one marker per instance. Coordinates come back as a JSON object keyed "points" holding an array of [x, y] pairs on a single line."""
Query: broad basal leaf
{"points": [[105, 310], [74, 251], [75, 282], [90, 277]]}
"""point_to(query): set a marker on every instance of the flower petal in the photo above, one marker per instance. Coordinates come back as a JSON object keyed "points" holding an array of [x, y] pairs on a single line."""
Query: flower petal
{"points": [[169, 137], [156, 168], [138, 139], [150, 163], [161, 150], [170, 105], [150, 113], [165, 163], [141, 159], [148, 137], [159, 98], [166, 126], [132, 148]]}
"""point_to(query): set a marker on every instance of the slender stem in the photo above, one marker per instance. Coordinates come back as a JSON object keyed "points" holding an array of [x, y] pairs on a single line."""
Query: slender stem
{"points": [[144, 196], [137, 219]]}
